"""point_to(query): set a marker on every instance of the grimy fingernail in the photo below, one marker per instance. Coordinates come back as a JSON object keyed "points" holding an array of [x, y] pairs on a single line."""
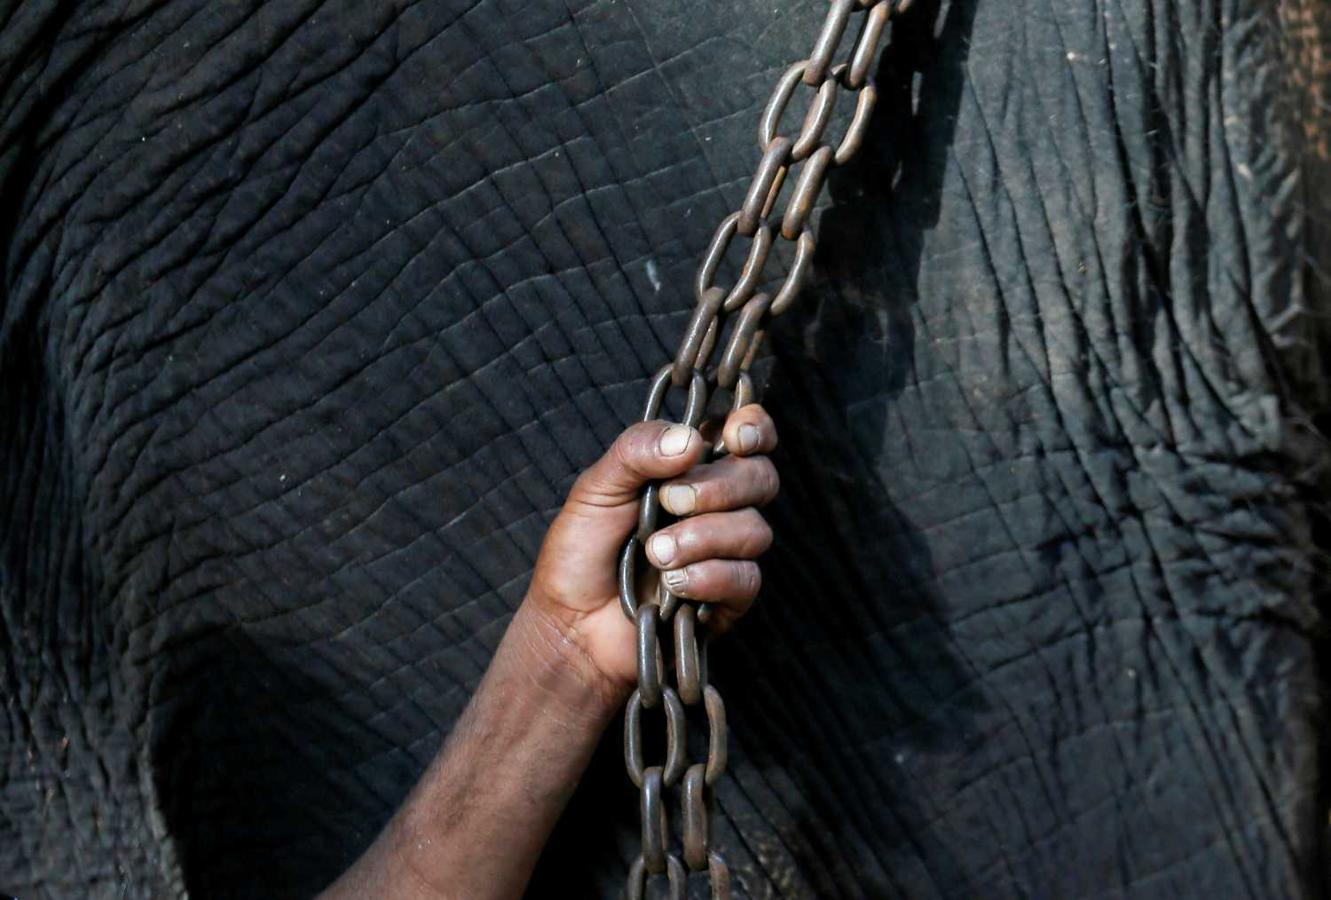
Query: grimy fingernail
{"points": [[663, 548], [675, 440], [675, 579], [748, 437], [679, 499]]}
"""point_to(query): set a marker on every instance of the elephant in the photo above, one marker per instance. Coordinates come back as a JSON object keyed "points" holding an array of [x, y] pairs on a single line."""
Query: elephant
{"points": [[312, 310]]}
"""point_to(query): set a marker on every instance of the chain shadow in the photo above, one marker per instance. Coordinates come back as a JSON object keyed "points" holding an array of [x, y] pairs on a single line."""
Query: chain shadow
{"points": [[862, 697]]}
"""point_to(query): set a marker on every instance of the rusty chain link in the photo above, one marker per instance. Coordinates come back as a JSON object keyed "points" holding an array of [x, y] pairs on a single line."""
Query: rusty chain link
{"points": [[751, 311]]}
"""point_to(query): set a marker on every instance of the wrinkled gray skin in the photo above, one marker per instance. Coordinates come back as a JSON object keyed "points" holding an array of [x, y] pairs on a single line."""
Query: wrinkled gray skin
{"points": [[311, 311]]}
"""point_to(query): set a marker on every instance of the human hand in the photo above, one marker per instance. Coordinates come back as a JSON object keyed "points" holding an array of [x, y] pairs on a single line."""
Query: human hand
{"points": [[707, 556]]}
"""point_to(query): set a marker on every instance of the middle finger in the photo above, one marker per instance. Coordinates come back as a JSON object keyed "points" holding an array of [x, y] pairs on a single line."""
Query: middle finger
{"points": [[730, 483], [741, 534]]}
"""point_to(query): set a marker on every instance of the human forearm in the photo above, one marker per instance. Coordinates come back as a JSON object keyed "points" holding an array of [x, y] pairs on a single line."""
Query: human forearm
{"points": [[475, 824], [477, 820]]}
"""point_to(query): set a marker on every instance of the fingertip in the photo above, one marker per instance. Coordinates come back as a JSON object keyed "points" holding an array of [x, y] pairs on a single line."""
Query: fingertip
{"points": [[749, 430], [679, 499], [677, 580], [674, 440], [659, 448], [678, 448], [748, 437], [662, 549], [730, 583], [643, 452]]}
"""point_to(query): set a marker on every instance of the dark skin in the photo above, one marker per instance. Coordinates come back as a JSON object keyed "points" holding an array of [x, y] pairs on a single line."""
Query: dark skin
{"points": [[475, 824]]}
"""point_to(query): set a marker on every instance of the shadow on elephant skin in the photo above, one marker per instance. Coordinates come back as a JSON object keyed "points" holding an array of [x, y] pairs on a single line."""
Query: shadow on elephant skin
{"points": [[864, 697]]}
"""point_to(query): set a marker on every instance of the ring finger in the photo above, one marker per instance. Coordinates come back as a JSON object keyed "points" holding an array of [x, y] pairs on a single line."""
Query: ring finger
{"points": [[730, 483]]}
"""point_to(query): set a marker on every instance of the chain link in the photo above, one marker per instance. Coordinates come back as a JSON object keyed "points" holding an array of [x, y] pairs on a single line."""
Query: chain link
{"points": [[692, 372]]}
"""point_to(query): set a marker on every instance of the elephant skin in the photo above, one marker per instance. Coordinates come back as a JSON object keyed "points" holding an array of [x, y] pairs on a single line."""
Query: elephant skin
{"points": [[311, 312]]}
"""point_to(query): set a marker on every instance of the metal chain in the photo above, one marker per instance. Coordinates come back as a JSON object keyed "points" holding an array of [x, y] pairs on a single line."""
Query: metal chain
{"points": [[751, 311]]}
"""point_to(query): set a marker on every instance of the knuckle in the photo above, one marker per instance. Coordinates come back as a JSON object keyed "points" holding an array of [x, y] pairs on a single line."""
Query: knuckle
{"points": [[751, 580], [588, 488], [698, 581], [760, 533], [768, 481], [757, 415], [621, 451], [711, 493], [686, 537], [582, 484], [633, 441], [714, 582], [635, 448]]}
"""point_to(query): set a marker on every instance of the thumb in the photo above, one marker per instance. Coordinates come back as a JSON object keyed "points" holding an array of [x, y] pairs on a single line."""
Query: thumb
{"points": [[576, 568], [644, 452]]}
